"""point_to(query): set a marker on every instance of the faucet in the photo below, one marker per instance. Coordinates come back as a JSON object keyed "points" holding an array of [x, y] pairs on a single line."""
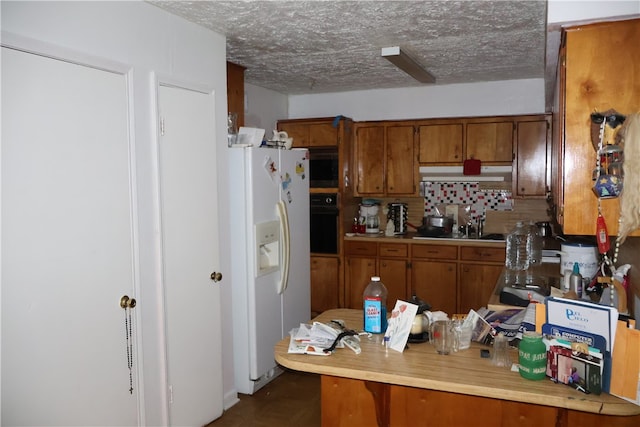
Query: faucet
{"points": [[480, 228]]}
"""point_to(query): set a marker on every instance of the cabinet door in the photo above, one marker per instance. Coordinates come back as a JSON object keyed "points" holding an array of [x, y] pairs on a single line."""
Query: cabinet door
{"points": [[393, 273], [324, 284], [358, 273], [435, 283], [490, 142], [594, 84], [400, 167], [323, 135], [298, 131], [530, 169], [440, 143], [369, 158], [477, 281]]}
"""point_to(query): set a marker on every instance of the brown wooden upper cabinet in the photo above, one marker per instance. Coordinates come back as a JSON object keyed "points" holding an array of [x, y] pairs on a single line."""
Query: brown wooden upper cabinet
{"points": [[451, 141], [384, 157], [441, 143], [490, 142], [587, 83], [531, 169], [306, 133]]}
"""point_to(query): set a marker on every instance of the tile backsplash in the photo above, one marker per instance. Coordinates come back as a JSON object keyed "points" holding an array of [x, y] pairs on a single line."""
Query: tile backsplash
{"points": [[471, 194]]}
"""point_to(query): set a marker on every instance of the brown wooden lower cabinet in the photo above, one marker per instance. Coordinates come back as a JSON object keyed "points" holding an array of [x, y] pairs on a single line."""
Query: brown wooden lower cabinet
{"points": [[351, 402], [435, 283], [324, 284]]}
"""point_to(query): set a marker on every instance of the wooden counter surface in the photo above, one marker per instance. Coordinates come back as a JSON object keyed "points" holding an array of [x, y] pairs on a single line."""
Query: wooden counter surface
{"points": [[409, 238], [464, 372]]}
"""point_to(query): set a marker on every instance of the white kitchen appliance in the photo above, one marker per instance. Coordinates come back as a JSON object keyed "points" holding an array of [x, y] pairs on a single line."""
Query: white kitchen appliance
{"points": [[269, 256], [370, 214]]}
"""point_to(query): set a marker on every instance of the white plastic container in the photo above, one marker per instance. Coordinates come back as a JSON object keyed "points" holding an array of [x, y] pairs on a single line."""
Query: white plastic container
{"points": [[585, 254]]}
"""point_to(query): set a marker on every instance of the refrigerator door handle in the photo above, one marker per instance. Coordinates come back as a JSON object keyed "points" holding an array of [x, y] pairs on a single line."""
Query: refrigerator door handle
{"points": [[285, 238]]}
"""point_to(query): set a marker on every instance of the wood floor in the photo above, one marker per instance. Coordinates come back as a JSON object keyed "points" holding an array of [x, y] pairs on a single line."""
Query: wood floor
{"points": [[292, 399]]}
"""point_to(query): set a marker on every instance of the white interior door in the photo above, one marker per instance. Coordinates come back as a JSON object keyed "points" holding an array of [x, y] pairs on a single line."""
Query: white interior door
{"points": [[190, 254], [67, 245]]}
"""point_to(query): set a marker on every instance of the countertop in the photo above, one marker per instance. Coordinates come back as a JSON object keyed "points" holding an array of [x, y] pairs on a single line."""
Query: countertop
{"points": [[464, 372], [409, 238]]}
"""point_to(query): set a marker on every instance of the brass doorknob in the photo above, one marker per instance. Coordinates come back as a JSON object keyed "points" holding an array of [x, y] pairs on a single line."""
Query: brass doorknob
{"points": [[216, 276], [126, 302]]}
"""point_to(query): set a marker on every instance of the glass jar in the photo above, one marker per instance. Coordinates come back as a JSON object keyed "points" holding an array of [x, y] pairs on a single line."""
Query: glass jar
{"points": [[532, 356]]}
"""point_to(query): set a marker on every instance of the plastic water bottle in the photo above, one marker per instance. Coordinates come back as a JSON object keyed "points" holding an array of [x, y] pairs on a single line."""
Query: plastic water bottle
{"points": [[534, 245], [375, 307], [517, 257]]}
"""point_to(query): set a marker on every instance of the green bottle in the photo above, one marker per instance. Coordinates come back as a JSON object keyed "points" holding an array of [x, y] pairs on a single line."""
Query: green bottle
{"points": [[532, 356]]}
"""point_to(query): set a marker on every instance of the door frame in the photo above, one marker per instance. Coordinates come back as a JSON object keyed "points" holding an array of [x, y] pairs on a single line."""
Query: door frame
{"points": [[49, 50], [159, 79]]}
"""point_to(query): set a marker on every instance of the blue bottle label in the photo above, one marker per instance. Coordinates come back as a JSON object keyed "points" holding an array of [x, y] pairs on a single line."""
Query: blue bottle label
{"points": [[375, 316]]}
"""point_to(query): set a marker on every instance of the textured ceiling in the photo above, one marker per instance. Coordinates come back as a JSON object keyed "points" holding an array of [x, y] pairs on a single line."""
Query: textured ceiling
{"points": [[302, 47]]}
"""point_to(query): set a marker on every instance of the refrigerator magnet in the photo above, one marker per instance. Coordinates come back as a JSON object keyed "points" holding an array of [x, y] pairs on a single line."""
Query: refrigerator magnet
{"points": [[271, 168]]}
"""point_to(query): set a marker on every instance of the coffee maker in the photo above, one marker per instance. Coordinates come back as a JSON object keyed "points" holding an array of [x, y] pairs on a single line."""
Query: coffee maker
{"points": [[370, 214], [397, 214]]}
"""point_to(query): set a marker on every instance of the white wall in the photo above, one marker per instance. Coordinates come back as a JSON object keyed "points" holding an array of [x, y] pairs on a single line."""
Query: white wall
{"points": [[263, 108], [562, 11], [472, 99], [147, 40]]}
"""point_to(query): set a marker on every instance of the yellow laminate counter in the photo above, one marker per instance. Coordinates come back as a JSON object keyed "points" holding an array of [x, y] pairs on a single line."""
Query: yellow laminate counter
{"points": [[388, 388]]}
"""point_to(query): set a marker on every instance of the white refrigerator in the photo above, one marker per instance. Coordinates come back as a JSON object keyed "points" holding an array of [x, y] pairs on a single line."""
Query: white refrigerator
{"points": [[270, 252]]}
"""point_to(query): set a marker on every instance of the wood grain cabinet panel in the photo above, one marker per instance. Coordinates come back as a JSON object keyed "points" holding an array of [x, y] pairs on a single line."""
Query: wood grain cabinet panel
{"points": [[385, 160], [440, 143], [532, 169], [435, 283], [591, 81], [490, 142], [324, 284], [358, 273]]}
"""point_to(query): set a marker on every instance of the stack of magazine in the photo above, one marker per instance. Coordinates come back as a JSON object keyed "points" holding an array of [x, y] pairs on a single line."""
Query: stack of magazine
{"points": [[580, 338]]}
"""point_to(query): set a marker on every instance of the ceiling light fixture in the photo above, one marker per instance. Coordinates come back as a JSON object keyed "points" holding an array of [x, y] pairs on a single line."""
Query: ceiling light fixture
{"points": [[403, 61]]}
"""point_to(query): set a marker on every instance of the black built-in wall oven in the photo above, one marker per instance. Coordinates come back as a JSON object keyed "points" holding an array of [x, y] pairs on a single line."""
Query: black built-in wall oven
{"points": [[324, 223], [323, 167]]}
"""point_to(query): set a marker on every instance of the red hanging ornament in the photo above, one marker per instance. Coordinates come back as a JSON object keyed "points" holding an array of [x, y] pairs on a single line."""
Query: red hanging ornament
{"points": [[602, 236]]}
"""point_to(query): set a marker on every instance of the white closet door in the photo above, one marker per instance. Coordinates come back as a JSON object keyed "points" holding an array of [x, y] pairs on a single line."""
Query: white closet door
{"points": [[189, 206], [67, 245]]}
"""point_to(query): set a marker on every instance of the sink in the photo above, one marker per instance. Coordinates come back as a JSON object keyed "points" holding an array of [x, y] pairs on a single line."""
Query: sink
{"points": [[494, 236]]}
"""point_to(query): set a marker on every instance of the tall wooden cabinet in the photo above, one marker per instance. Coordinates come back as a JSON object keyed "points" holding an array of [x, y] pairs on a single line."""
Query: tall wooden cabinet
{"points": [[328, 134], [235, 91], [597, 71]]}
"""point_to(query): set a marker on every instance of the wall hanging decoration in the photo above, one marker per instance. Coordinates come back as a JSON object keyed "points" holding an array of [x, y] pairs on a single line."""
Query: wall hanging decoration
{"points": [[617, 168]]}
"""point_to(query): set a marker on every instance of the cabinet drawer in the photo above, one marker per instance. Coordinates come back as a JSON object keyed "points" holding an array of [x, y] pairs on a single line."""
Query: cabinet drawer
{"points": [[434, 251], [393, 250], [478, 253], [360, 248]]}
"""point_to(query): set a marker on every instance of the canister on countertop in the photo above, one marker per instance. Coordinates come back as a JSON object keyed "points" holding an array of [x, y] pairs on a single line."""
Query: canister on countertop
{"points": [[532, 356]]}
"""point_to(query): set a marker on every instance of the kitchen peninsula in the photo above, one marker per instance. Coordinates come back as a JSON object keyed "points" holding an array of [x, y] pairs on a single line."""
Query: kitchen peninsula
{"points": [[419, 387]]}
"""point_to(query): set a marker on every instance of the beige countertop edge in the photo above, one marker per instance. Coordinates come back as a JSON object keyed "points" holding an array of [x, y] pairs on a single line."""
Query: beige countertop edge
{"points": [[421, 368], [579, 402]]}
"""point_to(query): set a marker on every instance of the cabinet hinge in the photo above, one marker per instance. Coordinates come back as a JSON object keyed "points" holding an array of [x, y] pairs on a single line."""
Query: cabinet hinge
{"points": [[161, 126]]}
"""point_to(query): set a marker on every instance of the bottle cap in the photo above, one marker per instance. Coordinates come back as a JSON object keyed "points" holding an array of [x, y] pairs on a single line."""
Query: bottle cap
{"points": [[576, 268], [375, 279]]}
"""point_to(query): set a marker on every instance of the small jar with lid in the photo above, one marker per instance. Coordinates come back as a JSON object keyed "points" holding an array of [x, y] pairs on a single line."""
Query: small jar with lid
{"points": [[532, 356]]}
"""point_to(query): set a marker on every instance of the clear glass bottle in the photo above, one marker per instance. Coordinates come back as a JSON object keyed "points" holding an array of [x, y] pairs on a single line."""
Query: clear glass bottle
{"points": [[375, 307]]}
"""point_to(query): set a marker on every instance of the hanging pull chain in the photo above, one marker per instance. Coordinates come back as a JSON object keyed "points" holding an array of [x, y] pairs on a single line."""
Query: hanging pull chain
{"points": [[127, 304]]}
